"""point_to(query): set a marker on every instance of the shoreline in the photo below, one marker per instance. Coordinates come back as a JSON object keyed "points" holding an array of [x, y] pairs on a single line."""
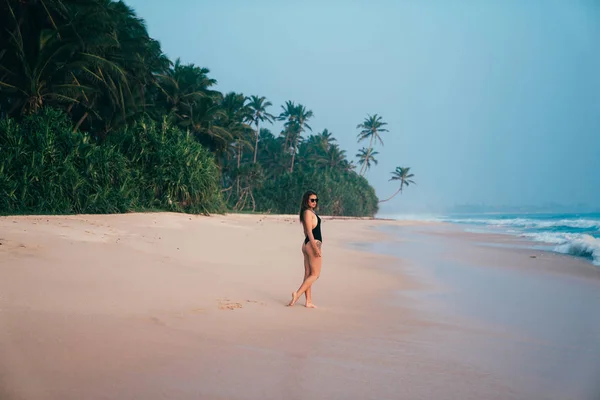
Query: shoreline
{"points": [[524, 239]]}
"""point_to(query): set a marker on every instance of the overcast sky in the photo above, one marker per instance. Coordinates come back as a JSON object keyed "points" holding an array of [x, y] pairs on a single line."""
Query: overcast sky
{"points": [[494, 102]]}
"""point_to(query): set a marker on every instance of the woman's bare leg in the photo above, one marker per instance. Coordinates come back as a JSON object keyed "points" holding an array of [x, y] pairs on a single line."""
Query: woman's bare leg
{"points": [[308, 292], [315, 271]]}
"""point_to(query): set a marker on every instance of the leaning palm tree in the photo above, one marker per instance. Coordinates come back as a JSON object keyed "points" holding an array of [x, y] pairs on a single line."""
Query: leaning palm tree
{"points": [[403, 175], [366, 157], [371, 127], [258, 107]]}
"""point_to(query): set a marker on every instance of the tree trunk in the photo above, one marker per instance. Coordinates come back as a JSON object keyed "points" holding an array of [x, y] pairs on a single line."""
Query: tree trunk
{"points": [[286, 144], [364, 166], [394, 195], [256, 144], [241, 203], [229, 194], [397, 191], [253, 202], [363, 170], [294, 155], [239, 159]]}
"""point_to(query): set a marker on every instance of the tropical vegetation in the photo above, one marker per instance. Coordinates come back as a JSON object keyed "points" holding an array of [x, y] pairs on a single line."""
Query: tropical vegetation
{"points": [[95, 118]]}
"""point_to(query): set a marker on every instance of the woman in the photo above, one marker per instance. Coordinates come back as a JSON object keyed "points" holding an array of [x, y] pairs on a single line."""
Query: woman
{"points": [[311, 248]]}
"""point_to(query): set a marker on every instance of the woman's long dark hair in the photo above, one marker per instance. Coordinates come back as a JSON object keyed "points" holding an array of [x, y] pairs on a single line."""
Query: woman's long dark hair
{"points": [[304, 205]]}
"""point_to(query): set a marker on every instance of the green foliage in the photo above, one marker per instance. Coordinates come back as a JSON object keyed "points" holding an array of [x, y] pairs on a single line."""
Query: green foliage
{"points": [[171, 170], [46, 168], [92, 58], [340, 193]]}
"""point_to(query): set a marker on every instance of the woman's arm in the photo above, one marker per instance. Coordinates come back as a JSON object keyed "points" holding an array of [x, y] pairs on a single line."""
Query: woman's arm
{"points": [[308, 231]]}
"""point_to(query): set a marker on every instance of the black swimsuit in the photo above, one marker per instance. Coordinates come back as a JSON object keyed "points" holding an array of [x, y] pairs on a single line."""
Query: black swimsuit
{"points": [[316, 231]]}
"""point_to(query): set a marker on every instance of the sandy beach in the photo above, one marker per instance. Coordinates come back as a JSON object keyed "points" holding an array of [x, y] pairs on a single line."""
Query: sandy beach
{"points": [[176, 306]]}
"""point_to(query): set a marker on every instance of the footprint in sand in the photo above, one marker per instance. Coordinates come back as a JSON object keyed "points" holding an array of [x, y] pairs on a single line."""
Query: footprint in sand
{"points": [[228, 305], [256, 302]]}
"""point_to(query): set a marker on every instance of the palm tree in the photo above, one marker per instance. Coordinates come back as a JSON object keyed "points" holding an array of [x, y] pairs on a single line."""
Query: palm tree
{"points": [[334, 159], [370, 129], [206, 125], [35, 60], [325, 140], [403, 175], [316, 147], [349, 166], [271, 158], [258, 107], [366, 157], [236, 113], [301, 116], [288, 114], [32, 82], [182, 88], [93, 59], [132, 63]]}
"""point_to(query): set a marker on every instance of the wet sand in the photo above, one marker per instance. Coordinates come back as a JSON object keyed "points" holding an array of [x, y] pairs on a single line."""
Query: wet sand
{"points": [[163, 306], [525, 316]]}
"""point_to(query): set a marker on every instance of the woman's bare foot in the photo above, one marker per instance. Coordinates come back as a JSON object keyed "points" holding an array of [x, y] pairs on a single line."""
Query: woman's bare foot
{"points": [[294, 299], [310, 305]]}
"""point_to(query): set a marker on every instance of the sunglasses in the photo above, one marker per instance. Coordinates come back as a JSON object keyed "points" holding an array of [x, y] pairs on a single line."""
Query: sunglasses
{"points": [[313, 200]]}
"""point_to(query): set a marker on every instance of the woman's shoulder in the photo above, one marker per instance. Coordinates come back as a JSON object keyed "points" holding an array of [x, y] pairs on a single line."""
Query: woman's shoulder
{"points": [[308, 212]]}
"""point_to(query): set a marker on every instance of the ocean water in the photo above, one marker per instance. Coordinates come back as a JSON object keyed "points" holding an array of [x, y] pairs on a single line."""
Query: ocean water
{"points": [[574, 234]]}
